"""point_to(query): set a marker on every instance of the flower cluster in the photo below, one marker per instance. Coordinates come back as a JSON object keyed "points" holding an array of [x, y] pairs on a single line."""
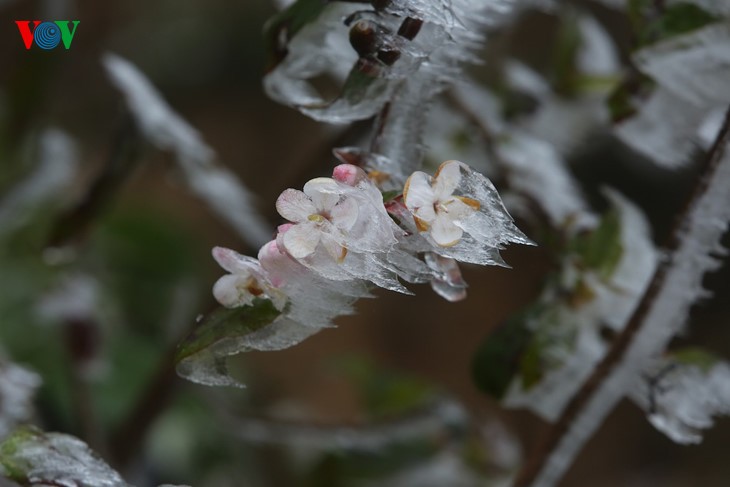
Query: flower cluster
{"points": [[341, 237]]}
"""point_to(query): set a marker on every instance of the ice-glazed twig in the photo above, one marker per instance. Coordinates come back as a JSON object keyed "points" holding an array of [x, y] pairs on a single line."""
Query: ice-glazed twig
{"points": [[57, 165], [437, 421], [661, 314], [166, 130]]}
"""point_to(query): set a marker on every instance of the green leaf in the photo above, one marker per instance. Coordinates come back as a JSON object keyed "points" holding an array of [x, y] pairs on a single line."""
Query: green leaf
{"points": [[652, 24], [391, 195], [699, 357], [499, 357], [601, 249], [201, 356], [384, 392]]}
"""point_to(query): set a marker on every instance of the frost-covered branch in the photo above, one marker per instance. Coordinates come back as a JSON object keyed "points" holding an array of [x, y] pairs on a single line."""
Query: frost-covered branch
{"points": [[166, 130], [661, 314]]}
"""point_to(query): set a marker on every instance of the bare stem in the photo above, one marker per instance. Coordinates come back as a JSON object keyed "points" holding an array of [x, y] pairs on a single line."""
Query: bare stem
{"points": [[544, 455]]}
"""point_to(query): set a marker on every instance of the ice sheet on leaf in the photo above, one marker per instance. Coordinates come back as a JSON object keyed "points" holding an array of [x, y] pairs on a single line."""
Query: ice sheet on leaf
{"points": [[318, 47], [535, 169], [693, 73], [681, 399], [32, 457], [17, 388], [273, 303], [610, 302], [664, 130], [201, 357], [598, 55], [166, 130], [56, 168], [694, 66]]}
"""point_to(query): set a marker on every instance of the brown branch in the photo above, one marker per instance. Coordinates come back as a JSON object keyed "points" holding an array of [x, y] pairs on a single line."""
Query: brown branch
{"points": [[541, 455]]}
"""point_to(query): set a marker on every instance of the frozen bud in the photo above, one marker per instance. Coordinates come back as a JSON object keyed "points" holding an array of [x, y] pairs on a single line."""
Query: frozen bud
{"points": [[348, 174]]}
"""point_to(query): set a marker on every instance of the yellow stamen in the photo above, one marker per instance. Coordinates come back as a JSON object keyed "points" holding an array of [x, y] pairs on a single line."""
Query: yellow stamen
{"points": [[421, 225], [315, 217], [378, 177], [474, 204]]}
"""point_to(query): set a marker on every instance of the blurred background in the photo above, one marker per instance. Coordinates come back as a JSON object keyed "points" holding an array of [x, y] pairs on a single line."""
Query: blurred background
{"points": [[144, 261]]}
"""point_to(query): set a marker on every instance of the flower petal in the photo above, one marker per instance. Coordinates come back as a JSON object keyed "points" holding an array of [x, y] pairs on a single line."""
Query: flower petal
{"points": [[444, 232], [234, 262], [460, 208], [336, 251], [324, 192], [345, 213], [447, 179], [231, 290], [418, 192], [301, 240], [294, 205]]}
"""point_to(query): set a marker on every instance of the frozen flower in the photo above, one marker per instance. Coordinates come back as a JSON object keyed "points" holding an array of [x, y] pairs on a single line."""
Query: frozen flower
{"points": [[322, 214], [247, 281], [434, 206]]}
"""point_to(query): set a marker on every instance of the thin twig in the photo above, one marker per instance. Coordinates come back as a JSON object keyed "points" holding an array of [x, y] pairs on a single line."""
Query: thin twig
{"points": [[119, 165], [543, 453]]}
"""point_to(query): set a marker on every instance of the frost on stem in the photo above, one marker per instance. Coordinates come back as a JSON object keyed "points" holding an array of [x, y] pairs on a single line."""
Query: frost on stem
{"points": [[342, 239], [673, 294], [166, 130]]}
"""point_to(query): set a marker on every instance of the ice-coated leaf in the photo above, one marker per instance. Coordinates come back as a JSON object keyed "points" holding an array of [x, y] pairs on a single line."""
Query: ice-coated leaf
{"points": [[663, 130], [54, 173], [695, 66], [17, 388], [201, 357], [537, 171], [682, 393], [34, 458], [602, 280], [703, 226], [678, 17], [166, 130], [693, 73]]}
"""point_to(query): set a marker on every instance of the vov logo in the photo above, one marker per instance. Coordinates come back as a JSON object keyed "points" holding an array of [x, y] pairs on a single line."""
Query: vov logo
{"points": [[47, 35]]}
